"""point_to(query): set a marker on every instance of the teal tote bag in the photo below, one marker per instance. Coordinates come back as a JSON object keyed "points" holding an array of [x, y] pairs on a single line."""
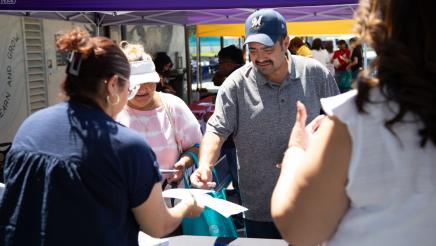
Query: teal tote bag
{"points": [[210, 222]]}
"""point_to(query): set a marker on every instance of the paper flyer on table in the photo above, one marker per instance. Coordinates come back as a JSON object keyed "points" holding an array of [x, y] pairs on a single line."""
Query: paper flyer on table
{"points": [[146, 240], [223, 207]]}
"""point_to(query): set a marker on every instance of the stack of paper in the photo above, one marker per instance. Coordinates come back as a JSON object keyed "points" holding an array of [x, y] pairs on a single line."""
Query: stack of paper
{"points": [[146, 240]]}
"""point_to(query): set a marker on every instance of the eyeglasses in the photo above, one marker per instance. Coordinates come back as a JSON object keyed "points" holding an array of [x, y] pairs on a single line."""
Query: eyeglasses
{"points": [[131, 90]]}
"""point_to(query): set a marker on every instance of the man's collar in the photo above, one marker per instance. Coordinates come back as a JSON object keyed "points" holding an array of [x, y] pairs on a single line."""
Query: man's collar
{"points": [[293, 72]]}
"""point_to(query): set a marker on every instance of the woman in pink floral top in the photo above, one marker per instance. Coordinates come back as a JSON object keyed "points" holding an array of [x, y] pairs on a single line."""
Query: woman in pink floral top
{"points": [[163, 119]]}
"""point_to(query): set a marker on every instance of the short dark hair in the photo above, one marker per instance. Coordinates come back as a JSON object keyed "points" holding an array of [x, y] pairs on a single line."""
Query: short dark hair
{"points": [[296, 42], [160, 60], [342, 42], [233, 53], [317, 44], [329, 46]]}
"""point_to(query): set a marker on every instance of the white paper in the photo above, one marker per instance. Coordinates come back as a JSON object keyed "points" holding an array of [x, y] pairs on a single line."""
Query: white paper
{"points": [[223, 207], [146, 240], [181, 193], [205, 104]]}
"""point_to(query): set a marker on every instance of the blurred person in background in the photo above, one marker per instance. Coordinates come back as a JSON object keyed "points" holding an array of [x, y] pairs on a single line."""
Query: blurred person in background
{"points": [[341, 60], [329, 64], [356, 59], [163, 64], [230, 58], [299, 48], [319, 53]]}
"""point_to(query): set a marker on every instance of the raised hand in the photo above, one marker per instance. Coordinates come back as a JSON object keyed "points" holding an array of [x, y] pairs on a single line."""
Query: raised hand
{"points": [[301, 134]]}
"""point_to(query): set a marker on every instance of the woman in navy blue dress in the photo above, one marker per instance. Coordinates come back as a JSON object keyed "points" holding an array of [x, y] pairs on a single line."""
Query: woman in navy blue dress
{"points": [[74, 176]]}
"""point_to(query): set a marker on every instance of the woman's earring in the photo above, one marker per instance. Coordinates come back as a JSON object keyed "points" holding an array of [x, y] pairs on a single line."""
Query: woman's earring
{"points": [[117, 100]]}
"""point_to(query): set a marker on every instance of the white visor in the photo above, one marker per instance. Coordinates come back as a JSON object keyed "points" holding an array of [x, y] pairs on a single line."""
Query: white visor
{"points": [[141, 72]]}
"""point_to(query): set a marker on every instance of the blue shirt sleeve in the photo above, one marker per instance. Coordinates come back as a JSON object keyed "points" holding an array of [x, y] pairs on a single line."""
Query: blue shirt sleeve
{"points": [[142, 172]]}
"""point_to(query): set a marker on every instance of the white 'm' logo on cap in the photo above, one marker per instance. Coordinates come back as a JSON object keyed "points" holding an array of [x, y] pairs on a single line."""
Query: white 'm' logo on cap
{"points": [[255, 23]]}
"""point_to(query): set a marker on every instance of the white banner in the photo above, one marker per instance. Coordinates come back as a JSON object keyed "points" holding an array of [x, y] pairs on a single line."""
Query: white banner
{"points": [[13, 93]]}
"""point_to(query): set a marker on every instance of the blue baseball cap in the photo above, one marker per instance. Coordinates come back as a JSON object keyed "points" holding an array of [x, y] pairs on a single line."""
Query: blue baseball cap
{"points": [[265, 26]]}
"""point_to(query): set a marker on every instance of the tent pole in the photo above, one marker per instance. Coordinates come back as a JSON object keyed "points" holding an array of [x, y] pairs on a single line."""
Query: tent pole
{"points": [[97, 23], [365, 56], [188, 66], [123, 32], [198, 64]]}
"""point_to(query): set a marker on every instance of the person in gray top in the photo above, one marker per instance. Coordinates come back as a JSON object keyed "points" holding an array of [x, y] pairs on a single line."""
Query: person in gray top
{"points": [[257, 103]]}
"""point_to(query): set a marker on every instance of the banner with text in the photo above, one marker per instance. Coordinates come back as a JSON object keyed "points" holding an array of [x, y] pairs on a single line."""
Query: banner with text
{"points": [[13, 102]]}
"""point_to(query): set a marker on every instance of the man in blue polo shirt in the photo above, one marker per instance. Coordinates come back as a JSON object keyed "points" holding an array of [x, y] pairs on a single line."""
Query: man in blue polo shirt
{"points": [[257, 104]]}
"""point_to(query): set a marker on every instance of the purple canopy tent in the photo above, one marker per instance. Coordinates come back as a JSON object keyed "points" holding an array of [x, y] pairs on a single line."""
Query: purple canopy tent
{"points": [[112, 12], [175, 12], [141, 5]]}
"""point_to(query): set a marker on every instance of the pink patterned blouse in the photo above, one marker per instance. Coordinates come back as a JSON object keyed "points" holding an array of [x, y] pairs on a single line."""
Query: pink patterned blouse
{"points": [[155, 126]]}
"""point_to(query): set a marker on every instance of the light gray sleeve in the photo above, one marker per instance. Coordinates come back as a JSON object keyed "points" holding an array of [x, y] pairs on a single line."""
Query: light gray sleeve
{"points": [[329, 87], [223, 122]]}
